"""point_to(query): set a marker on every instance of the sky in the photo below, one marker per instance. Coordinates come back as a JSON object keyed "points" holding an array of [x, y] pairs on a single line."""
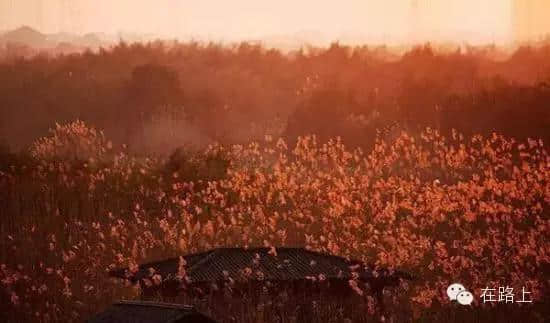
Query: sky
{"points": [[374, 20]]}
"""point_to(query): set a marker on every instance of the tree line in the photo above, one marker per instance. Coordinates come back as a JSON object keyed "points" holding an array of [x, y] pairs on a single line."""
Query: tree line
{"points": [[155, 97]]}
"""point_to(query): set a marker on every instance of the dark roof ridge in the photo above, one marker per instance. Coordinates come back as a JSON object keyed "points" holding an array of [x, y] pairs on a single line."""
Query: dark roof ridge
{"points": [[251, 249], [326, 254], [156, 304], [280, 248], [211, 254], [152, 263]]}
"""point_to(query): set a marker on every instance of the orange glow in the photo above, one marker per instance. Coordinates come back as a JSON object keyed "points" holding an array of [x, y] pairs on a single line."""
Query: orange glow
{"points": [[387, 21]]}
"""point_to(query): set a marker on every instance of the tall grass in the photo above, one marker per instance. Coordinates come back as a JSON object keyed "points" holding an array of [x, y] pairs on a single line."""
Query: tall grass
{"points": [[446, 209]]}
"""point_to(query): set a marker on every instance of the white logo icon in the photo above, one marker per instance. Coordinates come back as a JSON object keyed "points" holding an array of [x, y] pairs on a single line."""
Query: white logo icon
{"points": [[465, 298], [453, 291], [457, 292]]}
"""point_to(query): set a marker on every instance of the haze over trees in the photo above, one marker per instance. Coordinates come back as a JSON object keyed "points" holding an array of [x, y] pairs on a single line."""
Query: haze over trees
{"points": [[157, 96]]}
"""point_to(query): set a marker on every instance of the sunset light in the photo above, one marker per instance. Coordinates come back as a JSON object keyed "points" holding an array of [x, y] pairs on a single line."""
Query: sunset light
{"points": [[371, 20], [289, 161]]}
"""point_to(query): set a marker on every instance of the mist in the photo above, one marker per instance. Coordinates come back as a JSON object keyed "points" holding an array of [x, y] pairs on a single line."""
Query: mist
{"points": [[389, 21]]}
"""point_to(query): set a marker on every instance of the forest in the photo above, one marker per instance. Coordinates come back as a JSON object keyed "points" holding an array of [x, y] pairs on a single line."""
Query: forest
{"points": [[431, 161], [155, 96]]}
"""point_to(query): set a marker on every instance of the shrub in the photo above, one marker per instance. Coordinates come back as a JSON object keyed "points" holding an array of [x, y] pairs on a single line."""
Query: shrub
{"points": [[72, 141]]}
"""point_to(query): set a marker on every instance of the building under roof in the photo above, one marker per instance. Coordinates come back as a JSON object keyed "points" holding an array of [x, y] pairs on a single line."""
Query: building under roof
{"points": [[259, 264], [149, 312]]}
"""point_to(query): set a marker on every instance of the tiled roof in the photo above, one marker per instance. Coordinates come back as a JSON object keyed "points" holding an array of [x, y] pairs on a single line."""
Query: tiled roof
{"points": [[149, 312], [284, 264]]}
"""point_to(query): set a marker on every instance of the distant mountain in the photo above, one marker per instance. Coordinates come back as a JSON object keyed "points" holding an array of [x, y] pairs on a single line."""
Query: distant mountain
{"points": [[62, 37], [30, 37], [25, 35], [88, 40]]}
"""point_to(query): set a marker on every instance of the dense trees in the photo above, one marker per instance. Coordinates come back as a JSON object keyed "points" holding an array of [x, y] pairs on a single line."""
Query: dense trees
{"points": [[206, 92], [151, 89]]}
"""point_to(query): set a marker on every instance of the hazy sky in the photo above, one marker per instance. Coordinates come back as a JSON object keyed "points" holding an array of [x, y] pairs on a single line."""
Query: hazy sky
{"points": [[383, 20]]}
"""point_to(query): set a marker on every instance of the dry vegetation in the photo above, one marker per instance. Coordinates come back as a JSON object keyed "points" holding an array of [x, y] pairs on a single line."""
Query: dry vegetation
{"points": [[446, 206], [445, 209]]}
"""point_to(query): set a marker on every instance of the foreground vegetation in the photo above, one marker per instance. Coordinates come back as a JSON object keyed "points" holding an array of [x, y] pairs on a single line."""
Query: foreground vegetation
{"points": [[447, 209]]}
